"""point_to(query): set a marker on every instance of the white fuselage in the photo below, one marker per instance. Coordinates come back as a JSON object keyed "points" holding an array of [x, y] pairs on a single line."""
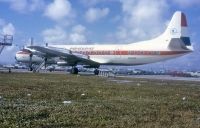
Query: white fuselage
{"points": [[121, 54], [129, 54]]}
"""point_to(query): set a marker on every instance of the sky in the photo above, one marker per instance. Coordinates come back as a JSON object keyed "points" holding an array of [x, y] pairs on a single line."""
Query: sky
{"points": [[96, 22]]}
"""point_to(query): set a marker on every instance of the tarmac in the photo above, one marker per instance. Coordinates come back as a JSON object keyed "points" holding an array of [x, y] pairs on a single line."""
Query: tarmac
{"points": [[163, 77], [152, 77]]}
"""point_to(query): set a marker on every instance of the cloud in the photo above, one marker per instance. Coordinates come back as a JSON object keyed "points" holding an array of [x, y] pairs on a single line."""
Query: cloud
{"points": [[95, 2], [18, 5], [78, 35], [58, 35], [94, 14], [24, 6], [36, 5], [141, 19], [54, 35], [8, 29], [187, 3], [90, 2], [59, 10]]}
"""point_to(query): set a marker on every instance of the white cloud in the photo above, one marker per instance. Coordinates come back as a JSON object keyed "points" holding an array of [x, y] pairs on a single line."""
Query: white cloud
{"points": [[18, 5], [94, 2], [90, 2], [24, 6], [8, 29], [36, 5], [187, 3], [78, 29], [77, 38], [58, 35], [78, 35], [54, 35], [59, 10], [141, 19], [94, 14]]}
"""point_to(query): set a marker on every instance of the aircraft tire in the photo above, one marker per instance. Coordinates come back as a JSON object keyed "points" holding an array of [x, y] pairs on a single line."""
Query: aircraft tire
{"points": [[31, 69], [74, 70], [96, 72]]}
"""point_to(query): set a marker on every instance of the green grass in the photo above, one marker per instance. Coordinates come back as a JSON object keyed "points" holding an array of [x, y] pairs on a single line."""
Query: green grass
{"points": [[106, 103]]}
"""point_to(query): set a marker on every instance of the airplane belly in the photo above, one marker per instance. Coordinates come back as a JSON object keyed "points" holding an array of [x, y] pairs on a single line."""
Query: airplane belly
{"points": [[131, 59], [104, 59], [142, 59]]}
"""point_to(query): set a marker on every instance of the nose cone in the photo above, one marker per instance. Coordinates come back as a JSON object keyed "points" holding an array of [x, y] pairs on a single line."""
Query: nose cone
{"points": [[17, 56], [22, 55]]}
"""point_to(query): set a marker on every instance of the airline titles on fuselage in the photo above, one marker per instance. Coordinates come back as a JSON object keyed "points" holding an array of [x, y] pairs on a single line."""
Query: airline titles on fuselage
{"points": [[91, 51]]}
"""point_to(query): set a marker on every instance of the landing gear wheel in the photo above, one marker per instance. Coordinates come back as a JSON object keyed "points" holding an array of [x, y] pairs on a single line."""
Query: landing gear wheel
{"points": [[96, 72], [31, 68], [74, 70]]}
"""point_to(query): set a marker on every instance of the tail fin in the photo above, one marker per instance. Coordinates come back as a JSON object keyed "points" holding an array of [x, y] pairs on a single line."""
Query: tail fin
{"points": [[177, 32]]}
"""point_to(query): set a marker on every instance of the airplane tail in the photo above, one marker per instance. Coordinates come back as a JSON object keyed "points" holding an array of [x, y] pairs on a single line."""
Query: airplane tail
{"points": [[177, 33]]}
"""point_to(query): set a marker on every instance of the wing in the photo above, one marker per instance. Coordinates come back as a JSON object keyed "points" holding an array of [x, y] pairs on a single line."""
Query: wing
{"points": [[72, 58]]}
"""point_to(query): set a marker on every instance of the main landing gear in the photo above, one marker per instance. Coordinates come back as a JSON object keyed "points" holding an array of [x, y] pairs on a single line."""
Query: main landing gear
{"points": [[96, 71], [74, 70]]}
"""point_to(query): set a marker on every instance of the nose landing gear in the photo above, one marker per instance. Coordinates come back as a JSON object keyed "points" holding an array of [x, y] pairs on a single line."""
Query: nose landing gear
{"points": [[74, 70]]}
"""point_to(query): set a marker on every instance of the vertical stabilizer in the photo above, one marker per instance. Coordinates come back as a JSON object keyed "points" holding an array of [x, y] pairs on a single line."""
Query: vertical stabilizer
{"points": [[177, 32], [178, 26]]}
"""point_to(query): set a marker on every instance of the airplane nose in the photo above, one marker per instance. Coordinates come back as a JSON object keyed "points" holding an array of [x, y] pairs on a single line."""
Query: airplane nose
{"points": [[16, 57]]}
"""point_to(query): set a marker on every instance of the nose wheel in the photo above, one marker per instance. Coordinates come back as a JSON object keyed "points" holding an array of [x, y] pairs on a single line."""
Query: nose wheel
{"points": [[30, 62], [74, 70]]}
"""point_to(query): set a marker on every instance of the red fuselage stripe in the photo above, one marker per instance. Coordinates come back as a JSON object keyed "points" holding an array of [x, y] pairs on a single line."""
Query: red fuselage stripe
{"points": [[124, 52]]}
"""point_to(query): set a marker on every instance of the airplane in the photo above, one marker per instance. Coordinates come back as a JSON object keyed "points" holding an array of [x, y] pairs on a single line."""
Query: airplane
{"points": [[173, 42]]}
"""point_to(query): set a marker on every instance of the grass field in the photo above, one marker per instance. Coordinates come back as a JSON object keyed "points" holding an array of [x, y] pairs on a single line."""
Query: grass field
{"points": [[36, 100]]}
